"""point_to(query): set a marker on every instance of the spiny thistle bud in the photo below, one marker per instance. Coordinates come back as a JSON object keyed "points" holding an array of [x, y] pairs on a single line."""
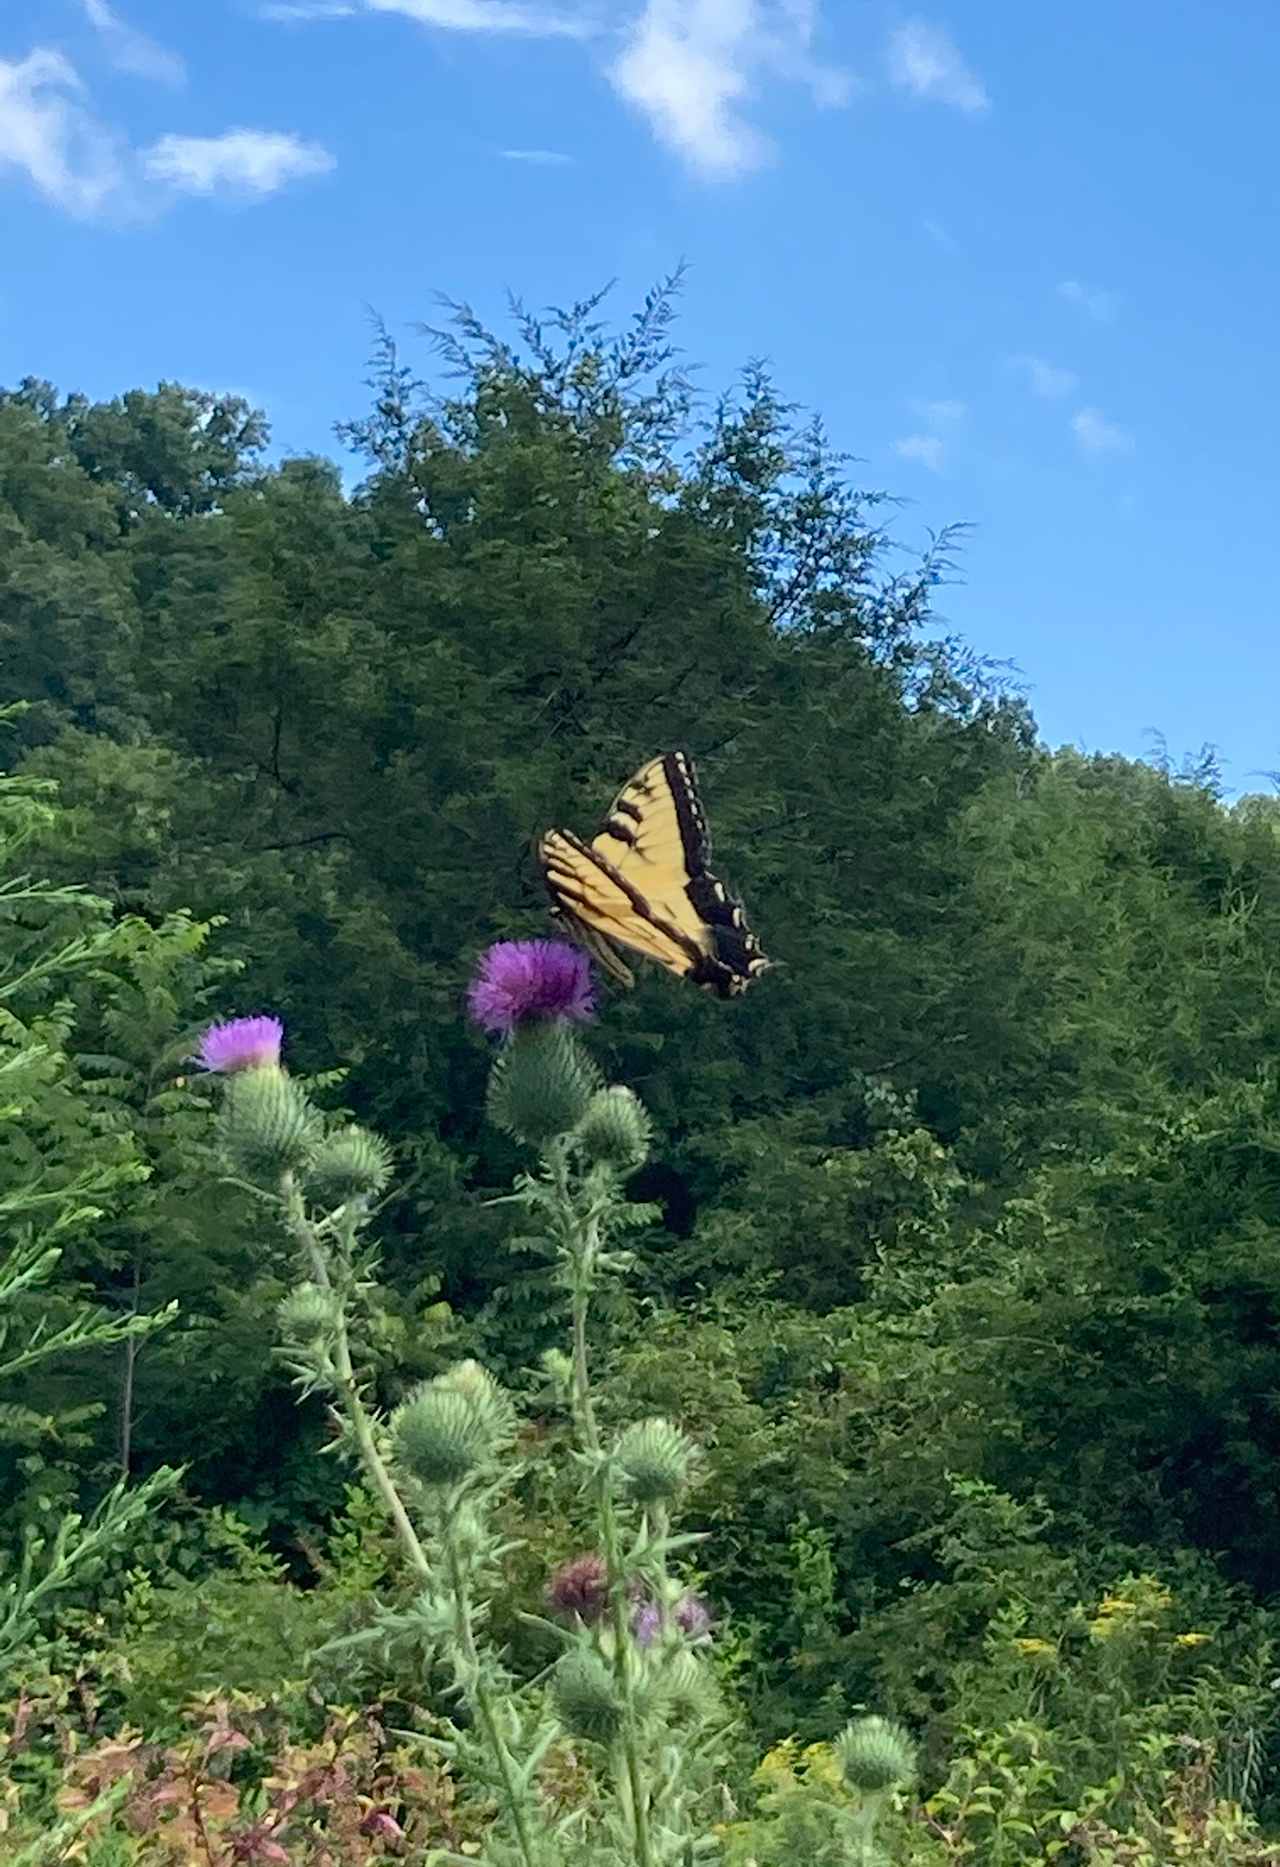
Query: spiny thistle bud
{"points": [[348, 1164], [469, 1377], [654, 1458], [267, 1125], [441, 1436], [686, 1685], [585, 1697], [874, 1754], [558, 1368], [306, 1314], [615, 1129], [471, 1535], [541, 1083], [477, 1386]]}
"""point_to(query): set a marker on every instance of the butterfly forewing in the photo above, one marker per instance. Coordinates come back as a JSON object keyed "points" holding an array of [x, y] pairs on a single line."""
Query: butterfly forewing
{"points": [[587, 889], [644, 883]]}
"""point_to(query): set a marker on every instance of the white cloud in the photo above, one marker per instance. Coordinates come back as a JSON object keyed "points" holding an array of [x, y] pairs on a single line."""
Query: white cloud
{"points": [[693, 66], [47, 134], [132, 51], [940, 414], [926, 449], [1045, 379], [1100, 305], [487, 16], [542, 158], [926, 62], [1097, 435], [287, 10], [245, 162]]}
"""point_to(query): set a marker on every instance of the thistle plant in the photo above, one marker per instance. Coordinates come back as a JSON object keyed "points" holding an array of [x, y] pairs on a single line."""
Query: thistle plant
{"points": [[631, 1681], [435, 1463], [631, 1688], [875, 1756]]}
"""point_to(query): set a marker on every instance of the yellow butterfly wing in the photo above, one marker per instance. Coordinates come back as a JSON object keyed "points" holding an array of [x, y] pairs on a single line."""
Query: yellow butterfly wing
{"points": [[601, 907], [643, 883]]}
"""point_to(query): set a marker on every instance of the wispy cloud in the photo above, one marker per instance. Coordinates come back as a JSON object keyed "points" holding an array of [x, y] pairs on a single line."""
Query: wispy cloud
{"points": [[1045, 379], [1101, 306], [925, 449], [1096, 435], [941, 236], [693, 67], [542, 158], [132, 51], [451, 15], [293, 10], [48, 134], [924, 60], [489, 16], [255, 163], [940, 414]]}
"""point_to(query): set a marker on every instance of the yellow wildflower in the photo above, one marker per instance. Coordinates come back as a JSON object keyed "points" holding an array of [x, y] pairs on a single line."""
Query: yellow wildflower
{"points": [[1116, 1604], [1191, 1640]]}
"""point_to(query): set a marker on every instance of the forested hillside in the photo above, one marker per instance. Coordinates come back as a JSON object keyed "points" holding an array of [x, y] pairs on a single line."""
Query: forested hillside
{"points": [[963, 1267]]}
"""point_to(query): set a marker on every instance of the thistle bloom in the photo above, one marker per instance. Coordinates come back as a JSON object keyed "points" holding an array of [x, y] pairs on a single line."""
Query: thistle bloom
{"points": [[690, 1614], [693, 1616], [579, 1589], [520, 980], [241, 1044]]}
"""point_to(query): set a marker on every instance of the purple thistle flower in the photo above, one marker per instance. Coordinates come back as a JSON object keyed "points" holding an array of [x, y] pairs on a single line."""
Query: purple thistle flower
{"points": [[646, 1624], [241, 1044], [580, 1589], [693, 1616], [690, 1614], [518, 980]]}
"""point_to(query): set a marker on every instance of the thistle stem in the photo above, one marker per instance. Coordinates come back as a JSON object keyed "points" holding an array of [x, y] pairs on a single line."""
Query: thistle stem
{"points": [[362, 1427], [864, 1828], [584, 1246], [583, 1405], [349, 1388], [482, 1698]]}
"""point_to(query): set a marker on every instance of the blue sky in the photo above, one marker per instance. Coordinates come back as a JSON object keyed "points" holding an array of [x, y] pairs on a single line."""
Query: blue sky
{"points": [[1022, 258]]}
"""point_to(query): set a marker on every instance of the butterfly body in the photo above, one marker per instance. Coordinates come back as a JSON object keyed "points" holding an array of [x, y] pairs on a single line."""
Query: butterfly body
{"points": [[644, 883]]}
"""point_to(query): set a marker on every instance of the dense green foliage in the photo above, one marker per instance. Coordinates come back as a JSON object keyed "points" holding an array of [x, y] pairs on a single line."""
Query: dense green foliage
{"points": [[968, 1268]]}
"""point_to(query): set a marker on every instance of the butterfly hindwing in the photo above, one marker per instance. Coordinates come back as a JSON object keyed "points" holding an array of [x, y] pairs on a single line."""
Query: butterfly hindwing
{"points": [[644, 883]]}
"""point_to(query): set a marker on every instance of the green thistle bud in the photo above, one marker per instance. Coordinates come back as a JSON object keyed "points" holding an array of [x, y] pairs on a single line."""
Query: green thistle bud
{"points": [[349, 1164], [541, 1083], [441, 1436], [685, 1685], [615, 1129], [874, 1754], [585, 1697], [470, 1378], [654, 1458], [492, 1406], [470, 1533], [306, 1314], [267, 1126], [558, 1368]]}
